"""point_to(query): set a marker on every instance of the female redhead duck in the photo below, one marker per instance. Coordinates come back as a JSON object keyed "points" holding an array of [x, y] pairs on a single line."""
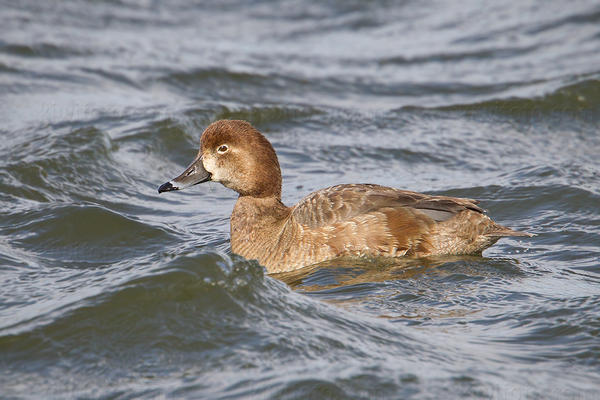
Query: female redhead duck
{"points": [[342, 220]]}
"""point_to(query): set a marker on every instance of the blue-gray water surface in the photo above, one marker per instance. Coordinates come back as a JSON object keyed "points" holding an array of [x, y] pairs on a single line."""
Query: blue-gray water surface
{"points": [[110, 291]]}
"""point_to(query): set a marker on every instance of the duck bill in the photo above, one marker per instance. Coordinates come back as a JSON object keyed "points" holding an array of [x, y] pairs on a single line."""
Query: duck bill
{"points": [[193, 175]]}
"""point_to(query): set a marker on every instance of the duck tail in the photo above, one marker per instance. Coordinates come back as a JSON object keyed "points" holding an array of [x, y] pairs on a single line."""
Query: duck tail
{"points": [[501, 231]]}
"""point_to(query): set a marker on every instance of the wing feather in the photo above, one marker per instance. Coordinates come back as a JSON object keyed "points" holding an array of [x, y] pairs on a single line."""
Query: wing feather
{"points": [[336, 204]]}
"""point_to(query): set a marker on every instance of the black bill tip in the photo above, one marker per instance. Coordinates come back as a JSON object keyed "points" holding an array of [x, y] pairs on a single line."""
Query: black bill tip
{"points": [[166, 187]]}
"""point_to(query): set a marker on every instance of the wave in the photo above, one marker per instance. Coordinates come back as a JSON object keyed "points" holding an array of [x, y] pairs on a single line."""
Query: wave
{"points": [[84, 233], [268, 114], [581, 99], [214, 324], [198, 311], [76, 163], [42, 50], [238, 87], [93, 294], [478, 54]]}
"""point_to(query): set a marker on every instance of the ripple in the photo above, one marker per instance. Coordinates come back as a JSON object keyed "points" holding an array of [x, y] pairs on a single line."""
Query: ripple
{"points": [[267, 115], [582, 99], [42, 50], [231, 85], [588, 17], [479, 54]]}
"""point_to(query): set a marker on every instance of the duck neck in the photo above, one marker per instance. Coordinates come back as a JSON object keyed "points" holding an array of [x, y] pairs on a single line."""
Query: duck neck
{"points": [[253, 214]]}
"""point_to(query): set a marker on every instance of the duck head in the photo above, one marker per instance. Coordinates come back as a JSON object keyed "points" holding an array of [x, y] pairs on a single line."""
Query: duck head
{"points": [[238, 156]]}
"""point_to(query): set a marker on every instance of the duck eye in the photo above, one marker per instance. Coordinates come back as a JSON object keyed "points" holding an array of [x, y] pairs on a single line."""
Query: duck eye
{"points": [[222, 149]]}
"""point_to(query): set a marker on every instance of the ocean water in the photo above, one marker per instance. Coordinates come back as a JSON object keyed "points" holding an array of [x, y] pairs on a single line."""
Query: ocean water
{"points": [[110, 291]]}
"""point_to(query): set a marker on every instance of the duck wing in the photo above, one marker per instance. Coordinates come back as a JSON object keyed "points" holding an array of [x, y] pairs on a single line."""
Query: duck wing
{"points": [[337, 204]]}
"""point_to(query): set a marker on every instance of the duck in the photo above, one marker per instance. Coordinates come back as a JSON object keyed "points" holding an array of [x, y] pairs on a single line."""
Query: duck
{"points": [[345, 220]]}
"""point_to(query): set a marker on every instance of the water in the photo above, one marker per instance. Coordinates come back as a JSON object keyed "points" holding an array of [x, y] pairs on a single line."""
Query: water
{"points": [[109, 290]]}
